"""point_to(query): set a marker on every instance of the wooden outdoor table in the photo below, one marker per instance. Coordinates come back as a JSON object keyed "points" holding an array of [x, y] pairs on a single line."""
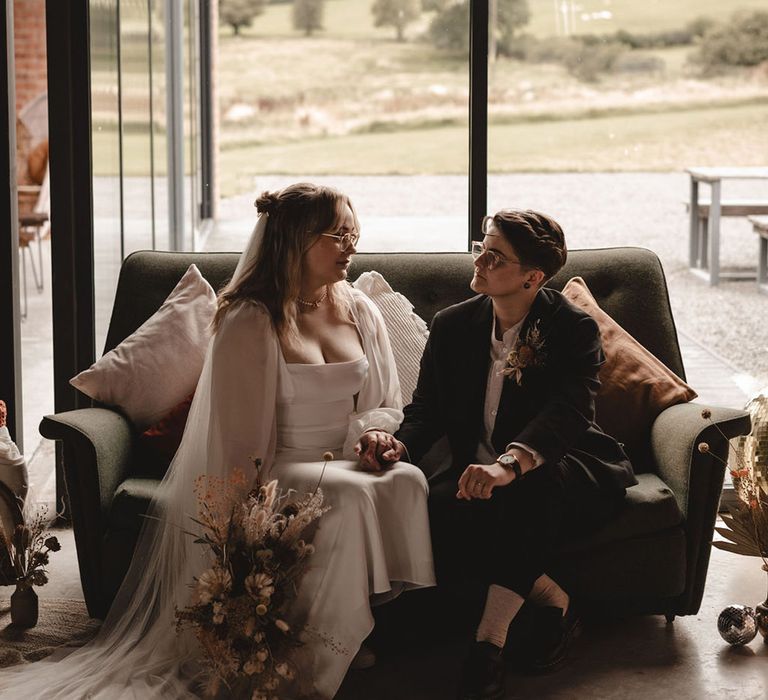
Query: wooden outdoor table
{"points": [[760, 224], [704, 245]]}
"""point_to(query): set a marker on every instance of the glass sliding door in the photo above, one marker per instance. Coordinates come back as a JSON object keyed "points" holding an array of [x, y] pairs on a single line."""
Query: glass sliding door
{"points": [[191, 124], [107, 157], [133, 70], [158, 120], [137, 129]]}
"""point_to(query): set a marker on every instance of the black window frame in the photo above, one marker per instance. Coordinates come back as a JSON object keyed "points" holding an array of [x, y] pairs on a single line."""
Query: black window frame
{"points": [[10, 366]]}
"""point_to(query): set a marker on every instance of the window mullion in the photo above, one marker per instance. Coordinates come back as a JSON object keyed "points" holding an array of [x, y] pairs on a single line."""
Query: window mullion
{"points": [[478, 116]]}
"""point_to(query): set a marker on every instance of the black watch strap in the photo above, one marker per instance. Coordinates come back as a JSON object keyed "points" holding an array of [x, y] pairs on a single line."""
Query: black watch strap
{"points": [[511, 462]]}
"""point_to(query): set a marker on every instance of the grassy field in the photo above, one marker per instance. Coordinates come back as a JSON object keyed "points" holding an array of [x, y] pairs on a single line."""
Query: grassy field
{"points": [[637, 16], [666, 141], [351, 100], [353, 18], [655, 141], [325, 105]]}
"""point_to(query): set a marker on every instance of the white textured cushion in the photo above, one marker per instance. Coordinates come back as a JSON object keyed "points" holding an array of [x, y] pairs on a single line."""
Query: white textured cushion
{"points": [[156, 367], [407, 331]]}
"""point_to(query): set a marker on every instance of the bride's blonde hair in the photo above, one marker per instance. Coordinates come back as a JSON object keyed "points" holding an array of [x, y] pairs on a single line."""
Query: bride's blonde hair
{"points": [[297, 215]]}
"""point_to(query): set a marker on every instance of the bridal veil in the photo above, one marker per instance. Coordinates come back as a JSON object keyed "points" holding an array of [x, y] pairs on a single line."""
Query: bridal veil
{"points": [[137, 653]]}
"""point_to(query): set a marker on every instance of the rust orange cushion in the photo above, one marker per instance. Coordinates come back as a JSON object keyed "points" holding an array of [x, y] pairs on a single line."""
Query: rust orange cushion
{"points": [[636, 385], [158, 443]]}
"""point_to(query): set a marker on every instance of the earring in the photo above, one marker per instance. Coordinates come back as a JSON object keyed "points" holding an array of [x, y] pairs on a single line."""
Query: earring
{"points": [[527, 285]]}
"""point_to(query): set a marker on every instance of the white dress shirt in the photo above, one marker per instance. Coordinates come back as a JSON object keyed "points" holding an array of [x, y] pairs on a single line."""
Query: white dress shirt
{"points": [[500, 349]]}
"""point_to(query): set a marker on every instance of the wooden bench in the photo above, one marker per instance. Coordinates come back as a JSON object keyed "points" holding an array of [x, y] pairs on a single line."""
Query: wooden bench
{"points": [[728, 207], [734, 207], [704, 216], [760, 225]]}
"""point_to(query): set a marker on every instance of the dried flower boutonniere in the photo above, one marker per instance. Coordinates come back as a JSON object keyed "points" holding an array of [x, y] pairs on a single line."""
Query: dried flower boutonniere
{"points": [[528, 352]]}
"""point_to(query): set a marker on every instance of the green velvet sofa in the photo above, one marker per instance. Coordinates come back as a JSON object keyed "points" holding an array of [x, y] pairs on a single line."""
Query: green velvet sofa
{"points": [[652, 559]]}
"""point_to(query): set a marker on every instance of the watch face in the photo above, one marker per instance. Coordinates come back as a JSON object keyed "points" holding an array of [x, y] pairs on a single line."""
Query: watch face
{"points": [[507, 460]]}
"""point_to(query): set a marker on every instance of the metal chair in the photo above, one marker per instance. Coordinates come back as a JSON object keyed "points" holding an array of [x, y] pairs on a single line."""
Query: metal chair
{"points": [[34, 224]]}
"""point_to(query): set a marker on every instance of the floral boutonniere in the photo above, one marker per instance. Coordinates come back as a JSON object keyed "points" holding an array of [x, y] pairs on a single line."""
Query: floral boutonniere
{"points": [[528, 352]]}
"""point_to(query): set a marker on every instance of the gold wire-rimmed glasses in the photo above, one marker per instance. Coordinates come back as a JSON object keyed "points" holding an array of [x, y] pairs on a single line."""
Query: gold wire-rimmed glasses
{"points": [[344, 240], [492, 258]]}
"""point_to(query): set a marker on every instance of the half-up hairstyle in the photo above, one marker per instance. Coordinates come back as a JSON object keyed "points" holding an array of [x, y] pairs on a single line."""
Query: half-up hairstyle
{"points": [[537, 239], [297, 215]]}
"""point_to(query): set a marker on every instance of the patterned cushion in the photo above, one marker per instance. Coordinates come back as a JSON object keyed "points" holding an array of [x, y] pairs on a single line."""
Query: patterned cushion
{"points": [[407, 331]]}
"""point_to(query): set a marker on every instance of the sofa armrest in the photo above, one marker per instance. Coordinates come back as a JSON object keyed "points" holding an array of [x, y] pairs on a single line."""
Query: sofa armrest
{"points": [[696, 479], [98, 444], [675, 436]]}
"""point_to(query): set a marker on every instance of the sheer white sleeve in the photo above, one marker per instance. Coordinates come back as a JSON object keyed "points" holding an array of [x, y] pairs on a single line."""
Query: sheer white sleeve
{"points": [[243, 390], [378, 404]]}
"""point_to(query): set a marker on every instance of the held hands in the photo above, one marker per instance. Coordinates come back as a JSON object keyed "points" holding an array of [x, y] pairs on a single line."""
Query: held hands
{"points": [[479, 480], [378, 450]]}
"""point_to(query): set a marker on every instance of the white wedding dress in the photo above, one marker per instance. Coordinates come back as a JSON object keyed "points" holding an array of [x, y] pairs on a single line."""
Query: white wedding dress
{"points": [[372, 543]]}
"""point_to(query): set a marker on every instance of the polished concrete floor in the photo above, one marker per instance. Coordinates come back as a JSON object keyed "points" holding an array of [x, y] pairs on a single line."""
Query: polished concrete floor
{"points": [[638, 658]]}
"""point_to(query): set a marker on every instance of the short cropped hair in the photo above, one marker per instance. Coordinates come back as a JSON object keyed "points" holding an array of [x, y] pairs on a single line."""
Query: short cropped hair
{"points": [[537, 238]]}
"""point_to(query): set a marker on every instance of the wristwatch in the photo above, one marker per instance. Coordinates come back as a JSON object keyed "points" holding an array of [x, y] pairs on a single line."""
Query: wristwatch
{"points": [[509, 461]]}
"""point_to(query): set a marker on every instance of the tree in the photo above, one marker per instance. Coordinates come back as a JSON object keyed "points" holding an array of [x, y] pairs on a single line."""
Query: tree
{"points": [[743, 41], [511, 16], [239, 13], [308, 15], [395, 13], [450, 27]]}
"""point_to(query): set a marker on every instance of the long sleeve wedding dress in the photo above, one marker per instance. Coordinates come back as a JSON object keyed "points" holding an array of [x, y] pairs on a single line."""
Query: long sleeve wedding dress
{"points": [[373, 542]]}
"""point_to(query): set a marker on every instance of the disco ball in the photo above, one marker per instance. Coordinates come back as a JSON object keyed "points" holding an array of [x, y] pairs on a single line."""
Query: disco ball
{"points": [[753, 448], [737, 624]]}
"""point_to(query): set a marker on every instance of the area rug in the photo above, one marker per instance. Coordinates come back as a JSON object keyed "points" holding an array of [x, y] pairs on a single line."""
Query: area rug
{"points": [[61, 623]]}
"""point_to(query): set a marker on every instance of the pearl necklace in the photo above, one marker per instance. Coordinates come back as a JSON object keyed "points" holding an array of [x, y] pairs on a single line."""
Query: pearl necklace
{"points": [[312, 304]]}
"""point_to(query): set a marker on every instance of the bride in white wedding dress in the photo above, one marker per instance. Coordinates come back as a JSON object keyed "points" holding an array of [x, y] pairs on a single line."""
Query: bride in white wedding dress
{"points": [[299, 364]]}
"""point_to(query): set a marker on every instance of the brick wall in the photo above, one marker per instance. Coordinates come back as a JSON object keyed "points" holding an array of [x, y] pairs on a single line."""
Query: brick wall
{"points": [[31, 69], [29, 50]]}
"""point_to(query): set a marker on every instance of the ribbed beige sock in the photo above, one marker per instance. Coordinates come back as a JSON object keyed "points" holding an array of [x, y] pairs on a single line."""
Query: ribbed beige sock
{"points": [[501, 606], [546, 592]]}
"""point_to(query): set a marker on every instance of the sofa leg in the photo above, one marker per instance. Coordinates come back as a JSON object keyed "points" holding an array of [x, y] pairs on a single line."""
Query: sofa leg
{"points": [[670, 617]]}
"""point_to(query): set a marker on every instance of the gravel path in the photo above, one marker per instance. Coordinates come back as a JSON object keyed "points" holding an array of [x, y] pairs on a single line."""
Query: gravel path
{"points": [[595, 210]]}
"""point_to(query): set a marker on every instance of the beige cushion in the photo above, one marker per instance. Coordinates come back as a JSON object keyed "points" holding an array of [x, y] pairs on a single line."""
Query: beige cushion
{"points": [[407, 331], [636, 386], [156, 367]]}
